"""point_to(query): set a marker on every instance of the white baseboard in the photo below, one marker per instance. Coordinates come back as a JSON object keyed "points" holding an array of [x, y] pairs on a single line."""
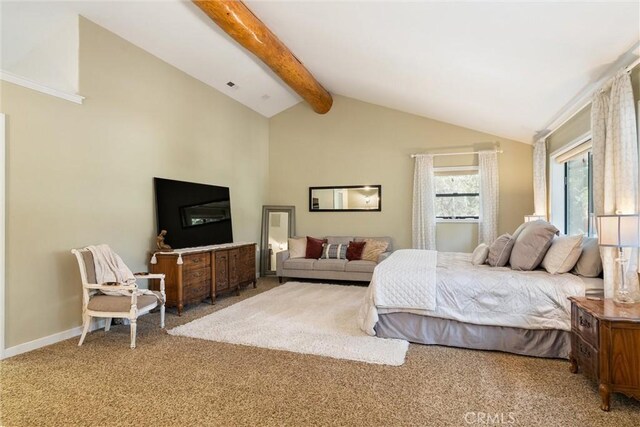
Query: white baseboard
{"points": [[51, 339]]}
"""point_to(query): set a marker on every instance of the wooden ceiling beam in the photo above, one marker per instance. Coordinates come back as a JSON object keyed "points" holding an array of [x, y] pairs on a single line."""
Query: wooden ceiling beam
{"points": [[235, 18]]}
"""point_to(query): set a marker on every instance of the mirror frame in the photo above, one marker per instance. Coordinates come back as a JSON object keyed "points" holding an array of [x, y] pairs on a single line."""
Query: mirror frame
{"points": [[338, 187], [264, 242]]}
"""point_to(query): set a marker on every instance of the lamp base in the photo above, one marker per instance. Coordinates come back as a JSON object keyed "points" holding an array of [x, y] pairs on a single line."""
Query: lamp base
{"points": [[624, 297]]}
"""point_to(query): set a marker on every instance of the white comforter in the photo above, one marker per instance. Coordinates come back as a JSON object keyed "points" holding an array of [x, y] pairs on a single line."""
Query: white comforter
{"points": [[481, 295]]}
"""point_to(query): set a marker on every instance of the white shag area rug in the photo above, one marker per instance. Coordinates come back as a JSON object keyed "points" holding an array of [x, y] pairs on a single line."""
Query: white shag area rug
{"points": [[305, 318]]}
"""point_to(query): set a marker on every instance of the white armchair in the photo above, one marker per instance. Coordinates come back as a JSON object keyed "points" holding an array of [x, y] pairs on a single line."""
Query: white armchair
{"points": [[130, 305]]}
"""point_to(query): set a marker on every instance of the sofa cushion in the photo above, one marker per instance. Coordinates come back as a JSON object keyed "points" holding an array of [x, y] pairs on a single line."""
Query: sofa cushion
{"points": [[298, 264], [314, 247], [360, 266], [337, 251], [384, 239], [330, 264], [297, 247], [373, 249], [339, 240], [354, 250]]}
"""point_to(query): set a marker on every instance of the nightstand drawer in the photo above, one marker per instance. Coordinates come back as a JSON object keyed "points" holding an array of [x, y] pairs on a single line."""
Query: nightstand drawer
{"points": [[586, 356], [586, 325]]}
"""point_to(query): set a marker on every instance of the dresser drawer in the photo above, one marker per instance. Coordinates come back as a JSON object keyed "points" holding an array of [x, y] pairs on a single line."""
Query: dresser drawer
{"points": [[197, 291], [586, 325], [586, 356], [194, 261], [196, 276]]}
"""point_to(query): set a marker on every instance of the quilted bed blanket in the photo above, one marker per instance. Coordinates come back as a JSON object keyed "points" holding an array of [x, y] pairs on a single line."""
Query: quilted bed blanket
{"points": [[449, 286]]}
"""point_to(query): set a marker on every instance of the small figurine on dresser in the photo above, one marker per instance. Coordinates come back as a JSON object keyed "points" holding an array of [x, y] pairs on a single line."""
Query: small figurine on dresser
{"points": [[160, 241]]}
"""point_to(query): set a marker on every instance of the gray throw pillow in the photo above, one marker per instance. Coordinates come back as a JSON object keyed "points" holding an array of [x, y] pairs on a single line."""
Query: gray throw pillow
{"points": [[500, 250], [590, 263], [516, 233], [532, 245]]}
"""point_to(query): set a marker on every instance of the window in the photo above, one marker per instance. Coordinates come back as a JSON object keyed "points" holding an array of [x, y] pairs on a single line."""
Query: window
{"points": [[457, 194], [578, 194]]}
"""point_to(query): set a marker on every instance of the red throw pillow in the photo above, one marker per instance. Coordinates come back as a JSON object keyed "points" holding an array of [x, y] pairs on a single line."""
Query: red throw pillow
{"points": [[314, 248], [354, 250]]}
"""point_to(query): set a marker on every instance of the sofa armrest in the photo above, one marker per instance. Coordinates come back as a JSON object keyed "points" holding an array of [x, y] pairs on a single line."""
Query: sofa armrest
{"points": [[383, 256], [281, 257]]}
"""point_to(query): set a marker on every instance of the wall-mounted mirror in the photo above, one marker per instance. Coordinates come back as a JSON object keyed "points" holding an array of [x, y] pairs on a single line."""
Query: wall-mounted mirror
{"points": [[347, 198], [278, 224]]}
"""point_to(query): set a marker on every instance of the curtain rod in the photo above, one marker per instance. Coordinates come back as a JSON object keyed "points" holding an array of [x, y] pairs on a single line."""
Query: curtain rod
{"points": [[466, 153], [627, 62]]}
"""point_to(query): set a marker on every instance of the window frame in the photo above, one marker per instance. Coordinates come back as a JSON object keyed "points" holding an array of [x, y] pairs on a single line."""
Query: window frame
{"points": [[443, 171]]}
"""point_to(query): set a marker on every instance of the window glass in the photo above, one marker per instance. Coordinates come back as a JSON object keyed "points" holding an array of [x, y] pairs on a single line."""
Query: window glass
{"points": [[457, 196], [578, 195]]}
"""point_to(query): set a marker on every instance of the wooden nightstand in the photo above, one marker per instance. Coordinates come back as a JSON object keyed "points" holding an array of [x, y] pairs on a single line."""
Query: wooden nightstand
{"points": [[605, 346]]}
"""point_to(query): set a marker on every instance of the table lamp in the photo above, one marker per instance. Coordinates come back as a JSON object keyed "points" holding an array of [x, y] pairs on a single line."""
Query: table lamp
{"points": [[620, 231]]}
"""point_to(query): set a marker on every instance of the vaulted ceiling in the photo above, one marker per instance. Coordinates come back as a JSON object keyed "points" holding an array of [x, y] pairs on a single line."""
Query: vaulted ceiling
{"points": [[499, 67]]}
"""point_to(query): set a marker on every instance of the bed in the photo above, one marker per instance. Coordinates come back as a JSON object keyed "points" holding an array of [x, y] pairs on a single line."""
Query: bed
{"points": [[441, 298]]}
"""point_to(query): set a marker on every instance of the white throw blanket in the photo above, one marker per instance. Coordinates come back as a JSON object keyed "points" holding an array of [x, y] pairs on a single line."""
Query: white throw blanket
{"points": [[110, 269], [405, 280]]}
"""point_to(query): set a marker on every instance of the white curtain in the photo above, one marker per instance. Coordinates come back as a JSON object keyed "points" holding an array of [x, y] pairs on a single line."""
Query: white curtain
{"points": [[424, 201], [489, 194], [540, 177], [615, 167]]}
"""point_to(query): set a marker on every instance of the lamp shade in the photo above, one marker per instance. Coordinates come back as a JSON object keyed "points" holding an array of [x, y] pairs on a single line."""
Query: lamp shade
{"points": [[530, 218], [620, 231]]}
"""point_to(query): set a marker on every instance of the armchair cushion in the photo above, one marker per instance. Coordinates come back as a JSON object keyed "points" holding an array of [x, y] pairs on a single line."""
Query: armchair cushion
{"points": [[120, 303]]}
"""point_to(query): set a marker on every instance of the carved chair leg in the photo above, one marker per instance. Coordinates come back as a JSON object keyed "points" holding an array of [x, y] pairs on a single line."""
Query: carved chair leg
{"points": [[87, 321], [133, 332], [162, 315], [107, 324]]}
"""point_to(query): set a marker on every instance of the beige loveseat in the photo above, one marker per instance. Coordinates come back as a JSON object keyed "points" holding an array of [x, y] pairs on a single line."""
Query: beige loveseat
{"points": [[329, 269]]}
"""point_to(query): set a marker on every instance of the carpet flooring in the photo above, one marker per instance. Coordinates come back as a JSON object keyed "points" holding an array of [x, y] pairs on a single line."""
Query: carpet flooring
{"points": [[169, 380]]}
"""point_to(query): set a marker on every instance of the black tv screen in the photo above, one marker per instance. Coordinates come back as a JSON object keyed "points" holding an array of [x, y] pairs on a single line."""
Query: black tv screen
{"points": [[193, 214]]}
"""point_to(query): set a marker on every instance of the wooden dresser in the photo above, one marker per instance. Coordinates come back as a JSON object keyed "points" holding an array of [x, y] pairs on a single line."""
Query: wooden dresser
{"points": [[605, 346], [197, 274]]}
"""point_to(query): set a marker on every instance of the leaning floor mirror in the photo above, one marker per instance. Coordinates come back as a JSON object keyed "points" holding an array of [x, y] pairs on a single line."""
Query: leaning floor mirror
{"points": [[278, 224]]}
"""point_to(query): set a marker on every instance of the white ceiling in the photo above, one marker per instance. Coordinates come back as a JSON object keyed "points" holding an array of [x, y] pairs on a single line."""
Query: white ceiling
{"points": [[502, 68]]}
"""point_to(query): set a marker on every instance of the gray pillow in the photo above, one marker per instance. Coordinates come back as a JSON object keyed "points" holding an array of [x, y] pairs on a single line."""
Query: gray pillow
{"points": [[516, 233], [500, 250], [532, 245], [590, 263]]}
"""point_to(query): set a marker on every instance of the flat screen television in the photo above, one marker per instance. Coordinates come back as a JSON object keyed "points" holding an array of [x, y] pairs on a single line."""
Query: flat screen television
{"points": [[193, 214]]}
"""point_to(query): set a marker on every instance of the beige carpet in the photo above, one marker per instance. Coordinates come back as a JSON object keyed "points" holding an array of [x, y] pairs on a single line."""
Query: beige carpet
{"points": [[309, 318], [172, 380]]}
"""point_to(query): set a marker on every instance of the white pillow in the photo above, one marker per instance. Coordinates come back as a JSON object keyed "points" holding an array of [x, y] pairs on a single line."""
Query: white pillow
{"points": [[562, 254], [480, 254], [297, 247]]}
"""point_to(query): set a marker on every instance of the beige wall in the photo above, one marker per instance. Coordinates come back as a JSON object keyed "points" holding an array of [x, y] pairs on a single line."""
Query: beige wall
{"points": [[357, 143], [82, 174]]}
